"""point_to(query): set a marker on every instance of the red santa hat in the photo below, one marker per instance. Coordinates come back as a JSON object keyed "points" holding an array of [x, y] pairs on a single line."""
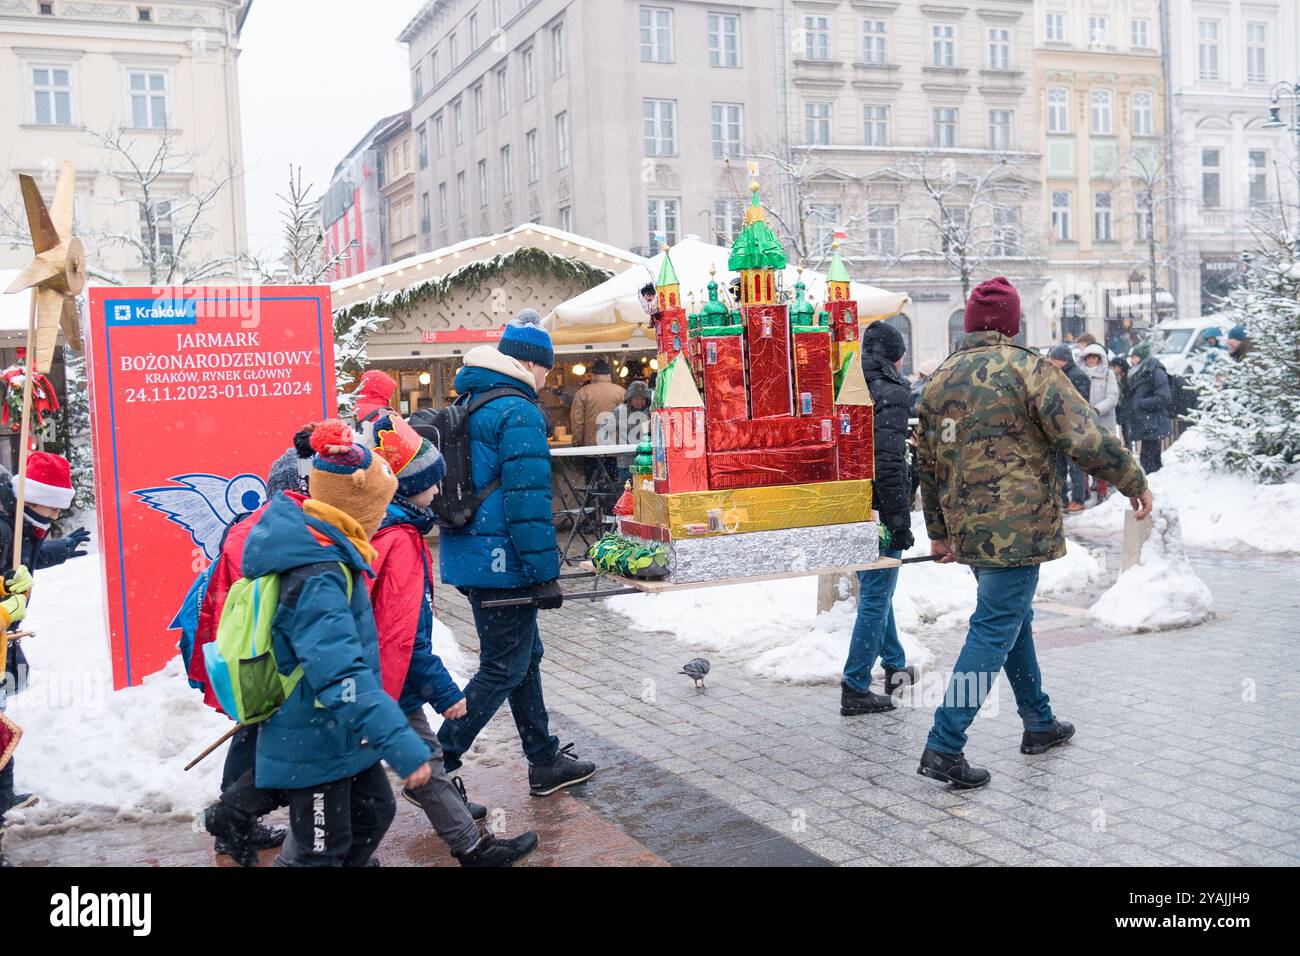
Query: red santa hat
{"points": [[49, 481]]}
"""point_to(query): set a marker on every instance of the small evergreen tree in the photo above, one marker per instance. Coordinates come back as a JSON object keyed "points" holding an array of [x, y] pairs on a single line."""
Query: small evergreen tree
{"points": [[1249, 411]]}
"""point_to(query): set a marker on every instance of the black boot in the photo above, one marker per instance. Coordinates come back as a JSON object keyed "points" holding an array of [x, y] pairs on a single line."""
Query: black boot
{"points": [[564, 771], [853, 703], [493, 851], [21, 801], [261, 837], [477, 811], [953, 769], [1041, 741], [897, 679], [232, 829]]}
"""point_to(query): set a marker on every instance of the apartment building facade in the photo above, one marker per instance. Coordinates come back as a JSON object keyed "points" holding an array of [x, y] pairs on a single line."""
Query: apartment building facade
{"points": [[353, 210], [1101, 101], [1226, 57], [396, 150], [146, 70]]}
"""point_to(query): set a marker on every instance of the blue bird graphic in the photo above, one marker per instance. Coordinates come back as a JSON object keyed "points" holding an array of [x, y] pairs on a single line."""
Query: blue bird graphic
{"points": [[206, 505]]}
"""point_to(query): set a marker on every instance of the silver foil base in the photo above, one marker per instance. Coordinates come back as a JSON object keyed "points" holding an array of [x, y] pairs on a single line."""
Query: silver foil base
{"points": [[788, 550]]}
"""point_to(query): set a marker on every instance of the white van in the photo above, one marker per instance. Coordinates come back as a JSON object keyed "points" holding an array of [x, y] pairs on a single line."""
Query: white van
{"points": [[1176, 342]]}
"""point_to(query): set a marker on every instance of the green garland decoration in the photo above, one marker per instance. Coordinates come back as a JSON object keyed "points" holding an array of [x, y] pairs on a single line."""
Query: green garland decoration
{"points": [[615, 554], [529, 262]]}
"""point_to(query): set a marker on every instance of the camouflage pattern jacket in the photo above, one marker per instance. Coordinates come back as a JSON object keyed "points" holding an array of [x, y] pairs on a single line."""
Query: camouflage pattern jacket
{"points": [[993, 416]]}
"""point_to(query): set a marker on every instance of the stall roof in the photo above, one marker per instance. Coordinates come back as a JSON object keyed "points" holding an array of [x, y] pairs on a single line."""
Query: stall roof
{"points": [[616, 303], [412, 270], [13, 308]]}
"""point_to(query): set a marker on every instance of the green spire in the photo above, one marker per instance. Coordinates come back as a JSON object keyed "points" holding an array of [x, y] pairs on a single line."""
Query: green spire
{"points": [[802, 312], [836, 272], [643, 464], [714, 312], [757, 246], [667, 274]]}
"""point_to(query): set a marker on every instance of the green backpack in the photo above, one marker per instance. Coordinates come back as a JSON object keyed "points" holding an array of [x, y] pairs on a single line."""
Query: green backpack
{"points": [[240, 662]]}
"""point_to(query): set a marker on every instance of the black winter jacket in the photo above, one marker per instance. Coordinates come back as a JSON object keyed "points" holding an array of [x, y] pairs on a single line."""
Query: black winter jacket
{"points": [[893, 486]]}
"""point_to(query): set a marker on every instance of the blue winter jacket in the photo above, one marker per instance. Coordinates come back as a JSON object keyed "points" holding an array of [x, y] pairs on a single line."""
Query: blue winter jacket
{"points": [[511, 541], [1149, 399], [356, 724]]}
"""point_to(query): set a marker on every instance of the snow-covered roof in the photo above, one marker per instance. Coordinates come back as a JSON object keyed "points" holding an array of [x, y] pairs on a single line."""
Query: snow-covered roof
{"points": [[399, 275], [618, 301]]}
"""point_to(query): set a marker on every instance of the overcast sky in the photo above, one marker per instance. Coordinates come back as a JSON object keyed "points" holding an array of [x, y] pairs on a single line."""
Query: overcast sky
{"points": [[310, 87]]}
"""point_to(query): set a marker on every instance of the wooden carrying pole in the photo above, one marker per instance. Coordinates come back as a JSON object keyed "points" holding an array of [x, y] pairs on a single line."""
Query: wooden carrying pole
{"points": [[26, 433]]}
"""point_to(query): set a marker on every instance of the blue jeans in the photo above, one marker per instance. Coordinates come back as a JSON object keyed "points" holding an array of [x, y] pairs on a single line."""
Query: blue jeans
{"points": [[1074, 484], [874, 633], [1001, 636], [510, 658]]}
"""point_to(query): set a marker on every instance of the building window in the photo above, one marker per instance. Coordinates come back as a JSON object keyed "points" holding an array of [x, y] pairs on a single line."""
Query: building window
{"points": [[473, 32], [875, 125], [562, 139], [656, 35], [1145, 218], [1000, 129], [1058, 110], [724, 40], [817, 124], [462, 195], [437, 71], [728, 133], [530, 74], [503, 91], [824, 221], [482, 182], [1140, 34], [453, 55], [1257, 162], [1061, 230], [52, 95], [534, 156], [458, 122], [1103, 221], [1006, 230], [442, 204], [816, 38], [46, 9], [144, 14], [1143, 121], [943, 44], [999, 48], [422, 146], [480, 109], [1098, 31], [507, 174], [660, 127], [1211, 178], [875, 42], [663, 216], [566, 218], [728, 217], [496, 13], [1101, 100], [425, 214], [882, 230], [1054, 27], [1207, 49], [164, 245], [439, 136], [1256, 52], [559, 53], [952, 227], [148, 99], [943, 127], [417, 83]]}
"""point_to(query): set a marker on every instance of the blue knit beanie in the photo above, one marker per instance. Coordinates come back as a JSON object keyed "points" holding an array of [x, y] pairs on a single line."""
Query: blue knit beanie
{"points": [[415, 461], [525, 339], [1238, 333]]}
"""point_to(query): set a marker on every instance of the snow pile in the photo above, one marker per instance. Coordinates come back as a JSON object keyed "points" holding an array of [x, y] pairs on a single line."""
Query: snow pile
{"points": [[91, 752], [1219, 511], [774, 625], [1162, 591]]}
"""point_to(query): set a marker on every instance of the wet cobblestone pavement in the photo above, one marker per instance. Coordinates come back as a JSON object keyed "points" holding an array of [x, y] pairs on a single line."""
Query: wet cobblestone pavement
{"points": [[1187, 752]]}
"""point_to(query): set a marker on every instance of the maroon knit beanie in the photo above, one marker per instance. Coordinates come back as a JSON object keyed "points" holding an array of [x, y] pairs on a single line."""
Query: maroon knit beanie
{"points": [[994, 306]]}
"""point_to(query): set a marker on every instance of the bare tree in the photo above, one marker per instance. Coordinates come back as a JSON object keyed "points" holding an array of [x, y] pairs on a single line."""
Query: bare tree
{"points": [[970, 213], [171, 219], [806, 191], [302, 261]]}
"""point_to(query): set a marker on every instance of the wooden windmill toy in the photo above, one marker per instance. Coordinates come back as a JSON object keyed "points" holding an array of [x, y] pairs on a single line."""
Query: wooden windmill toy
{"points": [[56, 276]]}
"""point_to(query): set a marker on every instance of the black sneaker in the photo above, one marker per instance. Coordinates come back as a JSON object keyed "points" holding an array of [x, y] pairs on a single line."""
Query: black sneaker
{"points": [[232, 829], [953, 769], [22, 801], [1041, 741], [493, 851], [897, 679], [565, 770], [261, 837], [852, 703], [477, 811]]}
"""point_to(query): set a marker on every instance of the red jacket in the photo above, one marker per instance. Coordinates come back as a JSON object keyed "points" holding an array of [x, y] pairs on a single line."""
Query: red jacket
{"points": [[396, 592], [225, 572]]}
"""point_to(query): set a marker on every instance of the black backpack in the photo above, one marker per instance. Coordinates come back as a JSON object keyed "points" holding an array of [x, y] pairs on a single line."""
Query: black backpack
{"points": [[448, 430]]}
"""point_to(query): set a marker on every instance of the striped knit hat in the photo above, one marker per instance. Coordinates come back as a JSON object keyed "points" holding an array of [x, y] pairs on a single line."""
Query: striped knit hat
{"points": [[417, 464], [345, 475]]}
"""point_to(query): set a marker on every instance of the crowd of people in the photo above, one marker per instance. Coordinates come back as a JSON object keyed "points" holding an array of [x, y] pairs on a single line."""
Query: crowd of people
{"points": [[1005, 443]]}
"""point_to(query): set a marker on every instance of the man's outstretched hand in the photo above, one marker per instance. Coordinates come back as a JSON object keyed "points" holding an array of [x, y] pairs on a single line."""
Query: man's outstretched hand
{"points": [[1142, 505], [941, 552]]}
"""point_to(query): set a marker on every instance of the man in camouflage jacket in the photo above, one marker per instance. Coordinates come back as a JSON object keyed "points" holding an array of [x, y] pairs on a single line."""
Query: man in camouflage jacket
{"points": [[993, 417]]}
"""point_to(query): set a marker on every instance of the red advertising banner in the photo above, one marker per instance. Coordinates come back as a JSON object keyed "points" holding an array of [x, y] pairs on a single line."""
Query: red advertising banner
{"points": [[194, 392]]}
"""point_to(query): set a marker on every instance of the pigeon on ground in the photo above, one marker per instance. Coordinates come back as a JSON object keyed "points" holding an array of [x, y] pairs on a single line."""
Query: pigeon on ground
{"points": [[696, 670]]}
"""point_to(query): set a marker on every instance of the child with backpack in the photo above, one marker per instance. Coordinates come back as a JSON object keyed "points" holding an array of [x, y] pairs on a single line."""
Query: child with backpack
{"points": [[413, 675], [311, 675]]}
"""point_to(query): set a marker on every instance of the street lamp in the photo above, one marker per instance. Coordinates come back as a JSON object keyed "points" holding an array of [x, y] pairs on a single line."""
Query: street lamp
{"points": [[1292, 92]]}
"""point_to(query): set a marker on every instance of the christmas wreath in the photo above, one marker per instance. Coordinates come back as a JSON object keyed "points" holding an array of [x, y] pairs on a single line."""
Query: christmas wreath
{"points": [[43, 399]]}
